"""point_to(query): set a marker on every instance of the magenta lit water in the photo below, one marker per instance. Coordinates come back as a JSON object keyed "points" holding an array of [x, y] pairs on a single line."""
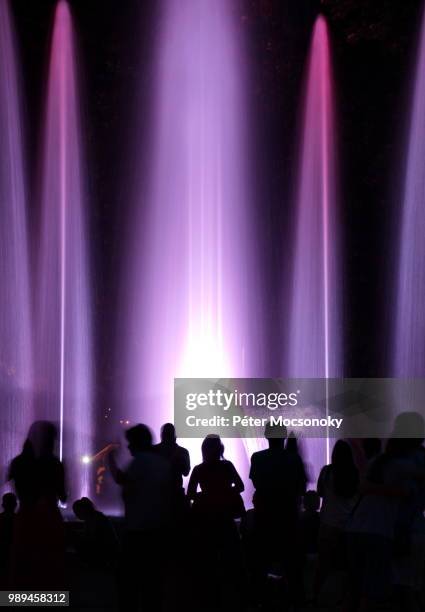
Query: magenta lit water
{"points": [[63, 332], [409, 352], [315, 322], [16, 378], [188, 288]]}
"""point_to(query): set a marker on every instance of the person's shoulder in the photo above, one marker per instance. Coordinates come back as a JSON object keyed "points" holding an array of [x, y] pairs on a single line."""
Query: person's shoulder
{"points": [[16, 461], [259, 454], [326, 469], [16, 465]]}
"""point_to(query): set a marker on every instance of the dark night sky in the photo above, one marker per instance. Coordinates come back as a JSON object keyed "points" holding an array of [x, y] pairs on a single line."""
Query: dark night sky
{"points": [[373, 42]]}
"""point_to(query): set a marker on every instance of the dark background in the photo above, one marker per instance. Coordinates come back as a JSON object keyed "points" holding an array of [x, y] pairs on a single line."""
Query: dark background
{"points": [[373, 45]]}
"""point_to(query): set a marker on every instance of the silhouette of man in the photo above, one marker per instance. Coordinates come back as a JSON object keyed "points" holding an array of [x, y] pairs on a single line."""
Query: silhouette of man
{"points": [[178, 458], [278, 475], [147, 490], [279, 478]]}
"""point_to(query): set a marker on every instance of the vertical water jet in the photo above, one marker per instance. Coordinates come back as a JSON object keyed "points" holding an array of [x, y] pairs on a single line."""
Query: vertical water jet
{"points": [[63, 333], [409, 323], [315, 322], [16, 374], [189, 286]]}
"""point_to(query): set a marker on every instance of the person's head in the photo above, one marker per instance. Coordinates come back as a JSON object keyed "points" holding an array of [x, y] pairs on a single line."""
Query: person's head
{"points": [[41, 439], [311, 501], [83, 508], [212, 448], [9, 502], [139, 439], [275, 435], [372, 447], [342, 454], [168, 433]]}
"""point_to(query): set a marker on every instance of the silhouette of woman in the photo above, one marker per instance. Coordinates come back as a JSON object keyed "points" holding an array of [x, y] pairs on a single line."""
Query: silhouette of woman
{"points": [[38, 547], [219, 577], [219, 482], [338, 487]]}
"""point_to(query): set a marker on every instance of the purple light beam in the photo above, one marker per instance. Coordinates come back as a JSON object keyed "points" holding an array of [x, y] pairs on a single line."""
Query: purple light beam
{"points": [[189, 285], [409, 349], [16, 371], [315, 321], [64, 336]]}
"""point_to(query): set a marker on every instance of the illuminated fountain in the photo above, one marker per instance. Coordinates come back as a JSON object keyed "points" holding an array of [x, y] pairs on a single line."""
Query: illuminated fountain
{"points": [[409, 350], [315, 321], [63, 327], [15, 328], [188, 287]]}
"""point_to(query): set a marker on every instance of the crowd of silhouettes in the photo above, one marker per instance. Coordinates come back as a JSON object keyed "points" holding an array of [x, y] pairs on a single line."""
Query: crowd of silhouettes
{"points": [[361, 533]]}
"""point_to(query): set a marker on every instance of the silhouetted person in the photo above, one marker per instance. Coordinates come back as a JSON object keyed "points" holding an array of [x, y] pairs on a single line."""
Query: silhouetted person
{"points": [[179, 460], [278, 475], [147, 490], [98, 545], [279, 478], [293, 446], [38, 548], [7, 522], [219, 482], [373, 528], [409, 548], [215, 506], [338, 486]]}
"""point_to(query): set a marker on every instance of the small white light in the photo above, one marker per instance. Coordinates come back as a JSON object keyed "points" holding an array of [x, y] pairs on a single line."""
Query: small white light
{"points": [[85, 459]]}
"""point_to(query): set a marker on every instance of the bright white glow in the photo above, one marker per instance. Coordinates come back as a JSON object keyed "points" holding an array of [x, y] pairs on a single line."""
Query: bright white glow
{"points": [[204, 356], [85, 459]]}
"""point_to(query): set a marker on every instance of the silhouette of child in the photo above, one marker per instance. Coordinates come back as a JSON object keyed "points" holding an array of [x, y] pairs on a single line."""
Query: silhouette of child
{"points": [[98, 544]]}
